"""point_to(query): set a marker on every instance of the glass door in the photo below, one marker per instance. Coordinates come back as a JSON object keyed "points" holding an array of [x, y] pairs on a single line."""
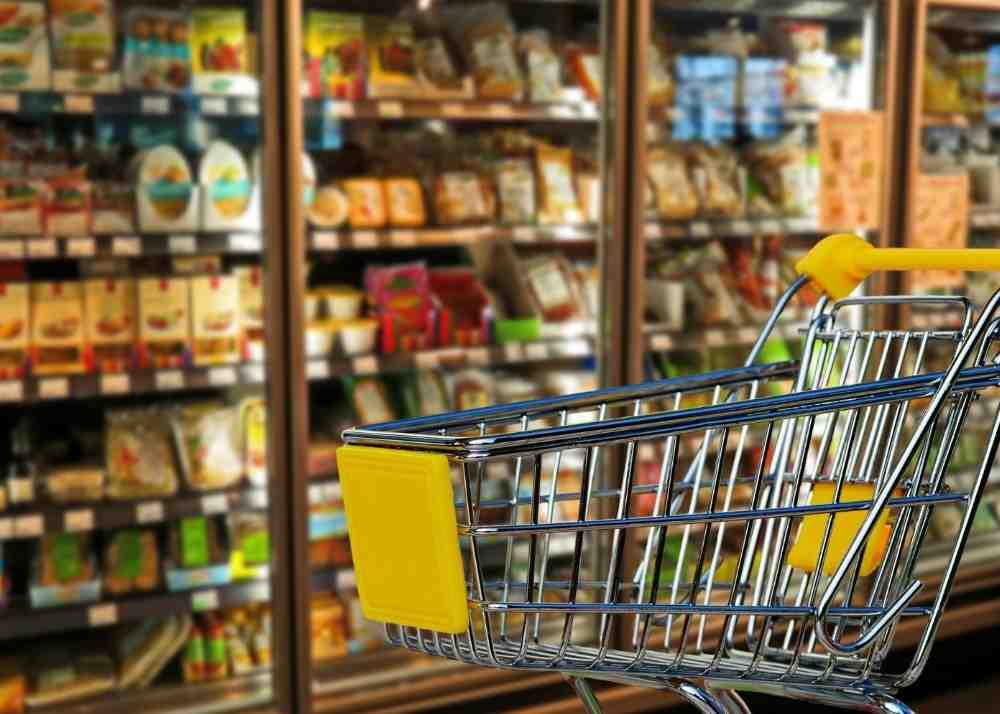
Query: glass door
{"points": [[453, 194], [141, 493]]}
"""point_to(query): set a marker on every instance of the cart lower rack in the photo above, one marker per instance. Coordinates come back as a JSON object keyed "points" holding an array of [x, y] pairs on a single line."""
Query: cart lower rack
{"points": [[780, 510]]}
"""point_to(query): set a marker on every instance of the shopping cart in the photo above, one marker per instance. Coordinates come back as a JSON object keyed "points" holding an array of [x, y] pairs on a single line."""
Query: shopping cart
{"points": [[778, 512]]}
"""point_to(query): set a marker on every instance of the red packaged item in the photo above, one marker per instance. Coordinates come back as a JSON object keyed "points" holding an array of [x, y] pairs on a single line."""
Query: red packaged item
{"points": [[465, 309], [404, 306]]}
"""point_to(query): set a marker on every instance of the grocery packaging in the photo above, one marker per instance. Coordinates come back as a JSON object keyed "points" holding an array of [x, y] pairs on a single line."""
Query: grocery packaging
{"points": [[405, 202], [471, 389], [330, 209], [167, 198], [557, 194], [139, 454], [216, 659], [110, 313], [22, 206], [238, 653], [586, 67], [60, 676], [515, 181], [83, 46], [785, 175], [335, 55], [215, 317], [665, 300], [371, 401], [197, 554], [229, 198], [717, 179], [131, 562], [461, 197], [14, 329], [13, 687], [64, 571], [552, 288], [157, 50], [342, 302], [392, 57], [193, 665], [164, 322], [543, 69], [328, 628], [112, 206], [319, 338], [485, 34], [68, 209], [401, 298], [674, 193], [253, 428], [250, 544], [251, 311], [588, 191], [57, 336], [439, 76], [465, 316], [143, 650], [69, 484], [211, 453], [366, 201], [660, 85], [24, 46], [219, 54], [357, 337]]}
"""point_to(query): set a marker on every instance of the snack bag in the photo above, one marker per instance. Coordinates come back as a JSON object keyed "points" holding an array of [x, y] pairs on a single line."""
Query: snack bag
{"points": [[157, 49], [486, 34], [212, 455], [139, 454], [111, 323], [219, 51], [249, 537], [164, 321], [24, 46], [366, 198], [253, 421], [14, 329], [57, 336], [335, 55], [516, 191], [544, 73], [558, 198], [717, 179], [392, 57], [83, 46], [552, 288], [459, 197], [215, 318], [438, 73], [674, 193], [405, 202]]}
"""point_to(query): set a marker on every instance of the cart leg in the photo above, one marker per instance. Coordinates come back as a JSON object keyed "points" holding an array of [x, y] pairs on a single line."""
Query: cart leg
{"points": [[891, 705], [721, 701], [730, 700], [586, 695]]}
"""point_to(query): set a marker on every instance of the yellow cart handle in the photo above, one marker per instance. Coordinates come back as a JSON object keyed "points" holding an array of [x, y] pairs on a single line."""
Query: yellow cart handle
{"points": [[839, 263]]}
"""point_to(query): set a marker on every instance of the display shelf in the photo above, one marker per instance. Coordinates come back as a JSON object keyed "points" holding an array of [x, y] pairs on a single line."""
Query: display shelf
{"points": [[693, 339], [36, 520], [748, 115], [946, 120], [722, 228], [36, 389], [510, 354], [129, 246], [984, 217], [346, 239], [127, 103], [18, 622], [454, 110]]}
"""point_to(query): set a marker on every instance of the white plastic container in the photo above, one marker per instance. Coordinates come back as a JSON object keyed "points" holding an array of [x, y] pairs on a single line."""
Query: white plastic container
{"points": [[319, 340], [357, 337], [343, 303]]}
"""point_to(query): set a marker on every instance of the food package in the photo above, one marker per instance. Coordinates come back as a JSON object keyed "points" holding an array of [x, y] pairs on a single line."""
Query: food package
{"points": [[676, 199], [24, 46], [112, 205], [57, 337], [68, 206], [253, 426], [471, 389], [111, 321], [588, 191], [461, 197], [142, 650], [515, 181], [330, 208], [14, 330], [335, 55], [249, 536], [164, 321], [238, 649], [371, 401], [585, 65], [465, 307], [392, 57], [402, 299], [225, 180], [544, 72], [405, 202], [139, 454], [71, 484], [64, 560], [486, 35], [366, 201], [157, 49], [211, 453], [783, 175], [166, 195], [438, 73], [60, 676], [131, 562], [215, 318], [328, 628], [431, 393], [219, 53], [660, 85], [83, 46], [22, 206], [552, 288], [557, 193], [941, 81], [196, 542], [251, 300], [717, 179], [13, 687]]}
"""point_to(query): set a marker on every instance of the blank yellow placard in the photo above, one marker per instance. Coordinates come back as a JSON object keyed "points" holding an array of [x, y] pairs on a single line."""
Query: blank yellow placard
{"points": [[805, 552], [404, 537]]}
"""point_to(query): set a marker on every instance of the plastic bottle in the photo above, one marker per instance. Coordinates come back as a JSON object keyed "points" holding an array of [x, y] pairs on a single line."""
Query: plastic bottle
{"points": [[216, 662], [240, 661], [194, 656]]}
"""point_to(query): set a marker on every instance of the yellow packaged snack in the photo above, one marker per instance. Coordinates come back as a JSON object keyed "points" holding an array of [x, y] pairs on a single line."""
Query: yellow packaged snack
{"points": [[57, 342], [366, 198], [164, 321], [14, 331], [111, 320], [674, 193], [334, 46], [215, 318], [219, 56], [559, 202], [392, 57], [253, 419], [405, 202]]}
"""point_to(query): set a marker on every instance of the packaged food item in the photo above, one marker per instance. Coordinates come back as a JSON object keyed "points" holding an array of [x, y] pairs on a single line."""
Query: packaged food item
{"points": [[486, 35], [57, 341], [260, 642], [112, 207], [431, 393], [139, 454], [83, 46], [785, 174], [405, 202], [219, 51], [22, 206], [660, 85], [439, 76], [555, 182], [111, 320], [328, 628], [24, 46], [157, 49], [250, 540], [335, 55], [253, 422], [68, 206], [675, 195], [585, 64], [164, 321], [471, 389], [544, 72], [460, 197], [366, 201], [13, 687], [342, 302], [401, 297], [251, 300], [717, 178], [215, 316], [195, 543], [320, 337], [552, 288], [64, 571], [164, 185], [588, 191], [143, 649], [464, 316], [330, 209], [131, 562], [358, 337], [193, 664], [216, 658], [371, 401], [225, 180], [237, 648], [516, 191], [212, 454], [14, 332], [392, 57], [70, 484], [60, 677]]}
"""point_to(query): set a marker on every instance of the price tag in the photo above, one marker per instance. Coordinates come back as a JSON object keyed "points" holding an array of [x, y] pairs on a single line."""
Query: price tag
{"points": [[181, 244], [13, 249], [770, 226], [53, 388], [102, 615], [155, 105], [11, 391], [204, 600], [340, 109], [9, 103], [479, 356], [536, 351], [29, 526], [254, 374], [115, 384], [244, 243], [326, 241], [390, 110], [78, 521], [564, 111], [317, 369], [80, 248], [42, 248], [78, 104], [364, 239], [213, 105], [125, 245], [513, 352], [149, 512], [525, 234], [403, 238], [248, 107], [661, 343], [501, 110], [748, 335], [222, 376], [742, 228], [453, 109], [215, 503], [576, 348], [715, 338], [169, 379], [700, 229], [426, 360], [364, 365], [6, 529]]}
